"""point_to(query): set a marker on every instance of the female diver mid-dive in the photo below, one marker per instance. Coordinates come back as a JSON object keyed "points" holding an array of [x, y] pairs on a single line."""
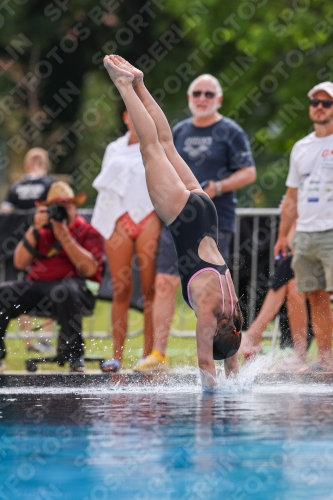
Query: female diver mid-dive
{"points": [[191, 216]]}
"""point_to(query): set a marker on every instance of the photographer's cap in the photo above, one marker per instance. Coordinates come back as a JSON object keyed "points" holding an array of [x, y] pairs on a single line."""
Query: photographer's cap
{"points": [[61, 192], [325, 86]]}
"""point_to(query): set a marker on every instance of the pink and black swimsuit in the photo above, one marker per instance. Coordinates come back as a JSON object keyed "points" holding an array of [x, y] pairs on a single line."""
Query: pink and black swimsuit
{"points": [[197, 220]]}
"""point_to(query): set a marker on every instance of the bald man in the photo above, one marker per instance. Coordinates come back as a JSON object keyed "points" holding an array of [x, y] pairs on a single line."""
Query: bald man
{"points": [[34, 186], [22, 195]]}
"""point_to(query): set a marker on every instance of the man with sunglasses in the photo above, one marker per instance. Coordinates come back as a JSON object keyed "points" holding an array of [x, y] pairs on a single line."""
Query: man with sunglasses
{"points": [[218, 152], [309, 199]]}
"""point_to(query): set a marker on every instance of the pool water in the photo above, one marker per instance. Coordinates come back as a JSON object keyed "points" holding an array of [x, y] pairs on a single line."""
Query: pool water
{"points": [[163, 442]]}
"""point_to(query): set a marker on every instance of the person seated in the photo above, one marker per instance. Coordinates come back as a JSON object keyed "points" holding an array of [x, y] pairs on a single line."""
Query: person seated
{"points": [[64, 255]]}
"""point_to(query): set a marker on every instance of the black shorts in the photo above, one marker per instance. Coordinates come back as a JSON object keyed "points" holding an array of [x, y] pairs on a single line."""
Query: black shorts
{"points": [[166, 260], [282, 274]]}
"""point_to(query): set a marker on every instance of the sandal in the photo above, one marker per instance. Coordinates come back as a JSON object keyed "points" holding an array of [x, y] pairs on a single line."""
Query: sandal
{"points": [[110, 366]]}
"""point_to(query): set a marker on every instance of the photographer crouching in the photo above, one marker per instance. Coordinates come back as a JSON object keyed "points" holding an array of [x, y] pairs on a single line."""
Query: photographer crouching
{"points": [[64, 255]]}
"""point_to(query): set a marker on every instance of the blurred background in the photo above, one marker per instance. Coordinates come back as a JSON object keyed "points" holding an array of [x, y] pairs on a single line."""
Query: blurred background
{"points": [[55, 93]]}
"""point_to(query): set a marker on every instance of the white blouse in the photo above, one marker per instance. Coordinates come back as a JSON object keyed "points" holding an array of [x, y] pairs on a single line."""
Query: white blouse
{"points": [[121, 187]]}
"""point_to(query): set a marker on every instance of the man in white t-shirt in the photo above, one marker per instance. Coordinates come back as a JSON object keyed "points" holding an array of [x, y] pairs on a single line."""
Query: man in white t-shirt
{"points": [[309, 199]]}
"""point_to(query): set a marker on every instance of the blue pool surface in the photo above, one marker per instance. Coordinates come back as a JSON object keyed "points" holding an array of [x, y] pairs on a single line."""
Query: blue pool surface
{"points": [[271, 441]]}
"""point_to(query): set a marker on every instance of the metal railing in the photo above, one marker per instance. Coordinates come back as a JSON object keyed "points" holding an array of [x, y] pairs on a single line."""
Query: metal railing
{"points": [[256, 214], [240, 247]]}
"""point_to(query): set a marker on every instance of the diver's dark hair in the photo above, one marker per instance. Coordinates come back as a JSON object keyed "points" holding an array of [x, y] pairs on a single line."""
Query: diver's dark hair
{"points": [[229, 334]]}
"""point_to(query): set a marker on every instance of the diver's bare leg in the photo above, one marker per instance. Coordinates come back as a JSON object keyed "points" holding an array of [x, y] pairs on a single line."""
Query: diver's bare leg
{"points": [[162, 126], [166, 190], [231, 365]]}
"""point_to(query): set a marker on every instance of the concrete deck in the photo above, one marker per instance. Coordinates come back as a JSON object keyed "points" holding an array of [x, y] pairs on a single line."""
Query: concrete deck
{"points": [[126, 377]]}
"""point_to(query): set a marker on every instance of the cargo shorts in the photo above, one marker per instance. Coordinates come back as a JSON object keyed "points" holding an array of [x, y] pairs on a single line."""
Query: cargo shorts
{"points": [[313, 260]]}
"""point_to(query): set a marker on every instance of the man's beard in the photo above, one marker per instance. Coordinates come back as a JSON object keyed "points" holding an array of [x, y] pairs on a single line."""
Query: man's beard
{"points": [[209, 110], [324, 121]]}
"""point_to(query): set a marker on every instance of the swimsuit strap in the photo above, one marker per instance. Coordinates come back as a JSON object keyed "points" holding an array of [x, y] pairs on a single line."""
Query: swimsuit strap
{"points": [[231, 299], [201, 271]]}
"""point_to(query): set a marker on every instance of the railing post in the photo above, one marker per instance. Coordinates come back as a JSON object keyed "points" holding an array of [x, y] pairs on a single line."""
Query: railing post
{"points": [[272, 238], [254, 270], [236, 258]]}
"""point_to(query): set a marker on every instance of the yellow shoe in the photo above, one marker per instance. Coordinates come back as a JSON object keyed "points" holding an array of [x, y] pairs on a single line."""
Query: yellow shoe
{"points": [[155, 362]]}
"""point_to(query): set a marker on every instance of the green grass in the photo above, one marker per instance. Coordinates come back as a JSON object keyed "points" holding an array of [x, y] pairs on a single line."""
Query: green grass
{"points": [[181, 351]]}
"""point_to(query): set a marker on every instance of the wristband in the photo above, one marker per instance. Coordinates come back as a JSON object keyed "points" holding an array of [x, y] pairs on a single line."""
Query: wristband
{"points": [[219, 189]]}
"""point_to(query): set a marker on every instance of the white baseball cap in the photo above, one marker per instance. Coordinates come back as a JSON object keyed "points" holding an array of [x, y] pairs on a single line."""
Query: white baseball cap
{"points": [[325, 86]]}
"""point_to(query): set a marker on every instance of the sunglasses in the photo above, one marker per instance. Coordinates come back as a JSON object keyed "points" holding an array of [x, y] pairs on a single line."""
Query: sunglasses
{"points": [[208, 95], [326, 103]]}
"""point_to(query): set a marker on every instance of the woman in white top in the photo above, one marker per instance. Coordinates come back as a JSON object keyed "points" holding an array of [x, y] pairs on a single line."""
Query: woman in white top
{"points": [[125, 217]]}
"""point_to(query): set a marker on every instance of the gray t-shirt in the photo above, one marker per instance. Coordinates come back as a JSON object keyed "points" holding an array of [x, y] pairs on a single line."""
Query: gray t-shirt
{"points": [[214, 153]]}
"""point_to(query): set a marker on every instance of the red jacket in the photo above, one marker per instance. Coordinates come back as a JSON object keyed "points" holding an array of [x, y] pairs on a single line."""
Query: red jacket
{"points": [[59, 266]]}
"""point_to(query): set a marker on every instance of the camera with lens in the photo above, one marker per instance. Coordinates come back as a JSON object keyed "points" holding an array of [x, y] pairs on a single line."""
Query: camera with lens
{"points": [[58, 213]]}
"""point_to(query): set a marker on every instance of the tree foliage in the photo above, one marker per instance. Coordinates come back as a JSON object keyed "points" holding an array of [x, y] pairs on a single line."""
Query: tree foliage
{"points": [[55, 93]]}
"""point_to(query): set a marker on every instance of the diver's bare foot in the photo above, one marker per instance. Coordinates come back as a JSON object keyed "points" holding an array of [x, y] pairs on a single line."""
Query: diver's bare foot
{"points": [[137, 73], [116, 72]]}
